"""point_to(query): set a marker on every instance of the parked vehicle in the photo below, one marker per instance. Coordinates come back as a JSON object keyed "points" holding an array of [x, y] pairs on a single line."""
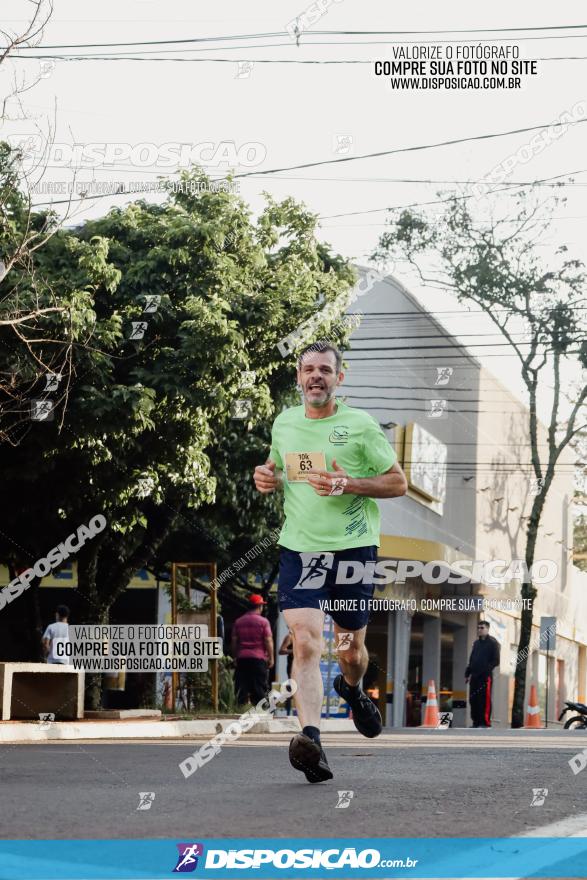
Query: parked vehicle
{"points": [[577, 722]]}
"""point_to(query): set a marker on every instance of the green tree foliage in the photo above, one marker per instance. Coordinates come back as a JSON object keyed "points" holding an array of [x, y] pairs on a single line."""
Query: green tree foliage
{"points": [[143, 429]]}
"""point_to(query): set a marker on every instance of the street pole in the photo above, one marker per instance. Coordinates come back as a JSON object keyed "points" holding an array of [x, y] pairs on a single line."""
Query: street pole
{"points": [[173, 621], [547, 677], [213, 634]]}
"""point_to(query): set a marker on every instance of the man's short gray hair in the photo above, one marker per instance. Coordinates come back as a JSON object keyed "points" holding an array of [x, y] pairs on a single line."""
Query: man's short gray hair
{"points": [[321, 346]]}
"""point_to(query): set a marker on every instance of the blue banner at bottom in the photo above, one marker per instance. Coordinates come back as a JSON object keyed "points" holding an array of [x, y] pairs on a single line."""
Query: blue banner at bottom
{"points": [[274, 858]]}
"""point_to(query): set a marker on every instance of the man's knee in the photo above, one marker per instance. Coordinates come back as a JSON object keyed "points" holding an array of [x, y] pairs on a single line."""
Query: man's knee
{"points": [[307, 644], [353, 655]]}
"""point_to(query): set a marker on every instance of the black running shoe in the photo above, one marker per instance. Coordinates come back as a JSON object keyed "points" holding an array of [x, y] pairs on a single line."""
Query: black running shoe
{"points": [[366, 715], [308, 756]]}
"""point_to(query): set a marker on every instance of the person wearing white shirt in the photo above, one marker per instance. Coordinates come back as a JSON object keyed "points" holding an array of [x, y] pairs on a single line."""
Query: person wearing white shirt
{"points": [[58, 630]]}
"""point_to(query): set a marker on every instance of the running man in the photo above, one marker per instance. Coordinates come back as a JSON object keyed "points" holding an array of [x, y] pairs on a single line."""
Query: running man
{"points": [[330, 517]]}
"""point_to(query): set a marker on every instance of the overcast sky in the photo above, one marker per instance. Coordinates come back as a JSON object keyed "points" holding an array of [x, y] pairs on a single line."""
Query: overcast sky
{"points": [[297, 113]]}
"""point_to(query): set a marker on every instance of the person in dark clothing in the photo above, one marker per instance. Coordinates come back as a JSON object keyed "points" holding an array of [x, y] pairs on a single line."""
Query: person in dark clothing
{"points": [[479, 675]]}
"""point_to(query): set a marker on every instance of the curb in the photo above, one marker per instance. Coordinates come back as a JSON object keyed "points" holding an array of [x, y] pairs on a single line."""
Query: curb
{"points": [[32, 732]]}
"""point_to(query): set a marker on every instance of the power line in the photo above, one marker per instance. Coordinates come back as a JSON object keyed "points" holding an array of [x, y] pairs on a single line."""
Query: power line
{"points": [[455, 356], [383, 223], [544, 181], [419, 147], [272, 34], [417, 338], [445, 388], [411, 397], [375, 155], [425, 315], [449, 198], [500, 30], [217, 60], [147, 54], [453, 346]]}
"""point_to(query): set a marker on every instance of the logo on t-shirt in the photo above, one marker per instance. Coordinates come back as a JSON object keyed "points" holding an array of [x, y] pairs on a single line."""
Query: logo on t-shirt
{"points": [[339, 435]]}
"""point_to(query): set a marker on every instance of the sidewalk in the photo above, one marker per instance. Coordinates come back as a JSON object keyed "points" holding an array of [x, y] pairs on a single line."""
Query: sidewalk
{"points": [[135, 728]]}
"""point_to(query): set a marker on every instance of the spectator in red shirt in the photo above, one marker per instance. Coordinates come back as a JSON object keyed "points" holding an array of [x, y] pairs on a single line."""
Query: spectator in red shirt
{"points": [[252, 647]]}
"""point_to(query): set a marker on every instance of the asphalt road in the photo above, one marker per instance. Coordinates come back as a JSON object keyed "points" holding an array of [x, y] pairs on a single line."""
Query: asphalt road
{"points": [[405, 784]]}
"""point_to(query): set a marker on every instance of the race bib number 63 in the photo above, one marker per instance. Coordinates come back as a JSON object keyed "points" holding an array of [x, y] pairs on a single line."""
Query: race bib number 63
{"points": [[297, 465]]}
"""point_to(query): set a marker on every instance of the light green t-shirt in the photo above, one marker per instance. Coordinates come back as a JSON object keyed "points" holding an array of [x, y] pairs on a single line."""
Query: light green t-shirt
{"points": [[352, 437]]}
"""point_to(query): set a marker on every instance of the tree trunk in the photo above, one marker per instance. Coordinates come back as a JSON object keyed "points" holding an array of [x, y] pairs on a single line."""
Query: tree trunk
{"points": [[35, 622], [518, 708], [95, 612], [528, 592]]}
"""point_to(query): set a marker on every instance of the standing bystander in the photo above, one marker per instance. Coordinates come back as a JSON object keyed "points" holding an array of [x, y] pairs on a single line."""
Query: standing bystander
{"points": [[58, 630], [479, 675], [253, 650]]}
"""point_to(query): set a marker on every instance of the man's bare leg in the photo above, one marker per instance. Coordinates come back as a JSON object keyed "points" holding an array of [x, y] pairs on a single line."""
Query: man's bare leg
{"points": [[352, 653], [305, 750], [353, 660], [306, 625]]}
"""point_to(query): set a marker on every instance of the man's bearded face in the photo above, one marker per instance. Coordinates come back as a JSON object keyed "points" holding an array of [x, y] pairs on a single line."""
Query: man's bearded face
{"points": [[318, 377]]}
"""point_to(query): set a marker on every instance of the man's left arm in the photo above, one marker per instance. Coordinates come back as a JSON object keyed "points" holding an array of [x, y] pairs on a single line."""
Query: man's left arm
{"points": [[270, 650], [385, 477], [391, 484], [268, 643]]}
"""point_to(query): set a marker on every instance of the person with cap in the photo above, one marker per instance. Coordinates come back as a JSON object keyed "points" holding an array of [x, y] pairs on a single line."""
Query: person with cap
{"points": [[254, 652]]}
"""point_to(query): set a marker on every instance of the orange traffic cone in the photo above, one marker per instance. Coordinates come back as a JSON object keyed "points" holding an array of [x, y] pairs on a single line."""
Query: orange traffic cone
{"points": [[431, 716], [533, 713]]}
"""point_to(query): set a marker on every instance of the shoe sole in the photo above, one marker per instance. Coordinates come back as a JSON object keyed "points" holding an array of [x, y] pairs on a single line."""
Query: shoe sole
{"points": [[304, 755], [369, 735]]}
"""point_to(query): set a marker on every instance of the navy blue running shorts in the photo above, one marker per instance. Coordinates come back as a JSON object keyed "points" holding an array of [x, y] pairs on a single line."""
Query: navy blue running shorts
{"points": [[308, 580]]}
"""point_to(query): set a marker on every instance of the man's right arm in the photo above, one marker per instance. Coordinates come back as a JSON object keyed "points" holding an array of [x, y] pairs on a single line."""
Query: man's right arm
{"points": [[270, 650], [266, 478], [269, 476]]}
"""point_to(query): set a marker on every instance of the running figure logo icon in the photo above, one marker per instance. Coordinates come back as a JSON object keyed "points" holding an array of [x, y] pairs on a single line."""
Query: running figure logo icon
{"points": [[539, 796], [138, 329], [187, 860], [314, 569], [52, 381], [46, 719], [344, 799], [42, 410], [146, 799], [345, 641], [443, 375]]}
